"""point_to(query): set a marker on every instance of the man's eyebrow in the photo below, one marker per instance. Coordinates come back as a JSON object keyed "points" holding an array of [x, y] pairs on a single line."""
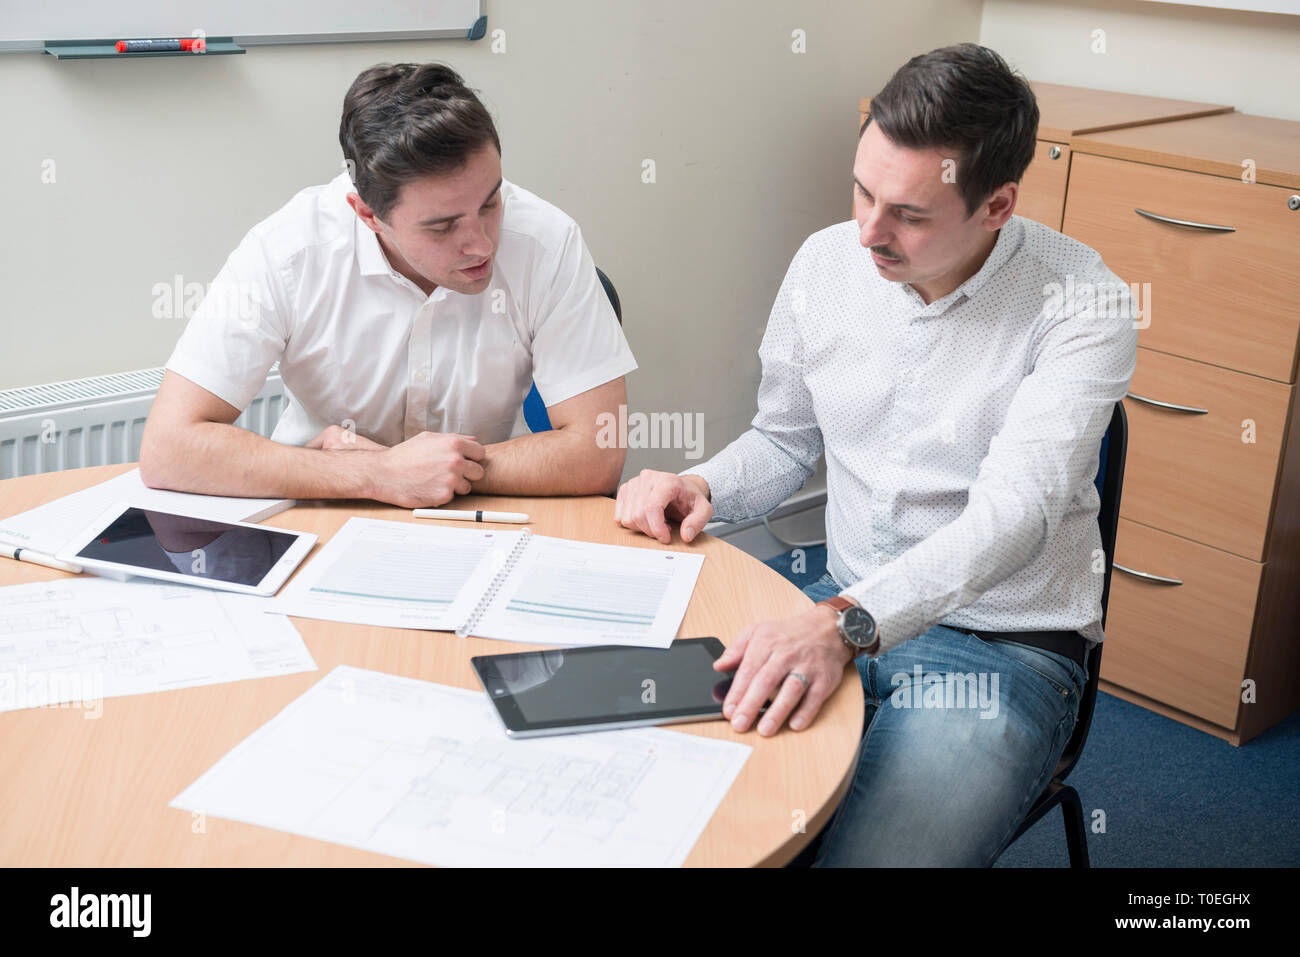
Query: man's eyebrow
{"points": [[908, 206], [448, 219]]}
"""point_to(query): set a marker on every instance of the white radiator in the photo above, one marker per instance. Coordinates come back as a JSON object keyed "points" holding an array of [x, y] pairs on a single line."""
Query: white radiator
{"points": [[98, 421]]}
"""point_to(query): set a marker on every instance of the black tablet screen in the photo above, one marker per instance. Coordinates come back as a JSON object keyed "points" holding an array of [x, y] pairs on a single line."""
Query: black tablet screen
{"points": [[197, 547], [608, 683]]}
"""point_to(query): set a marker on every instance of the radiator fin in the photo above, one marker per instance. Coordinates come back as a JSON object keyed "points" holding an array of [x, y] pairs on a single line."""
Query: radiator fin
{"points": [[98, 420]]}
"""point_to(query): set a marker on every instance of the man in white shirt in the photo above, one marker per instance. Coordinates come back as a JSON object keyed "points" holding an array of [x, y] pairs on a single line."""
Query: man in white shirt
{"points": [[958, 366], [411, 303]]}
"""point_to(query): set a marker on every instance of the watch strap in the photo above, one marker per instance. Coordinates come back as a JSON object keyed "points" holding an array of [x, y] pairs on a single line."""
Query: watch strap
{"points": [[840, 604]]}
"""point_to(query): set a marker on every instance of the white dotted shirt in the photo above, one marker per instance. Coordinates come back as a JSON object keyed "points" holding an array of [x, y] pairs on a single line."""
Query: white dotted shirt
{"points": [[961, 438]]}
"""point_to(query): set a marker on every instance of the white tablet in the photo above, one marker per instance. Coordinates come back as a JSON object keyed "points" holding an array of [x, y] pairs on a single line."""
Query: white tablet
{"points": [[232, 556]]}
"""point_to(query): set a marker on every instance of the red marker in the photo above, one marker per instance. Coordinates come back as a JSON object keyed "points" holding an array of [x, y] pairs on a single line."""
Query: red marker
{"points": [[192, 45]]}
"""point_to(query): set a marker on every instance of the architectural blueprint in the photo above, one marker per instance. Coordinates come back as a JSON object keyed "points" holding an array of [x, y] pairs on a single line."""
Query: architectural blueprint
{"points": [[425, 772], [77, 641]]}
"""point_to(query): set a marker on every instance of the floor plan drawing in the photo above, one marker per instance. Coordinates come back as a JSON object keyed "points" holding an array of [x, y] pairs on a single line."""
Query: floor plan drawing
{"points": [[79, 641], [425, 772]]}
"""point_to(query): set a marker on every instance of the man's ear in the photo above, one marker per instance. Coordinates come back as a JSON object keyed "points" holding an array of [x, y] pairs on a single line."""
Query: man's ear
{"points": [[364, 212], [1001, 205]]}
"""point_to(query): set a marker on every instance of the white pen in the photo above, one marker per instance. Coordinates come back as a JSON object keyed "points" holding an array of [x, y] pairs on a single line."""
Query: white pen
{"points": [[36, 558], [457, 515]]}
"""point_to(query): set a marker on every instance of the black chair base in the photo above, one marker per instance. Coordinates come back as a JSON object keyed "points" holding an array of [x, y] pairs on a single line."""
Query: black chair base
{"points": [[1076, 832]]}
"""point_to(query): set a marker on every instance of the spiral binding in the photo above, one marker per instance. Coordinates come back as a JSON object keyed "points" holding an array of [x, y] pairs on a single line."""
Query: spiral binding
{"points": [[495, 585]]}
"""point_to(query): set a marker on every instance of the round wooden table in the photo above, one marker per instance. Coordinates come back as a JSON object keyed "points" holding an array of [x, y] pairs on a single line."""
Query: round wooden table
{"points": [[80, 792]]}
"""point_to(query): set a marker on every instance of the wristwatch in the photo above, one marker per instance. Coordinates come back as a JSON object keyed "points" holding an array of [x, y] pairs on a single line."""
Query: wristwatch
{"points": [[856, 626]]}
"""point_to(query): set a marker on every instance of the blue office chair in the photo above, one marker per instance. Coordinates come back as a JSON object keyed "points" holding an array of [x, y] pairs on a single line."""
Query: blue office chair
{"points": [[534, 408], [1110, 479]]}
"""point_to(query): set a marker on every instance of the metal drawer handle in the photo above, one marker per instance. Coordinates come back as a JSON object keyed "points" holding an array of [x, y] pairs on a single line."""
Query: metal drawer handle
{"points": [[1166, 405], [1185, 222], [1146, 575]]}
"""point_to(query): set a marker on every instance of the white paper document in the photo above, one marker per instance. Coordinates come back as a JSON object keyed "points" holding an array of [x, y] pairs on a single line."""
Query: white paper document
{"points": [[82, 640], [561, 592], [424, 772], [49, 527], [399, 574], [511, 585]]}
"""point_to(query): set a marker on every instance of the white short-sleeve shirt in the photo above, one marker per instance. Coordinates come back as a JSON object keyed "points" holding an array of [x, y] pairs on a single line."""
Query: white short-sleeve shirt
{"points": [[358, 342]]}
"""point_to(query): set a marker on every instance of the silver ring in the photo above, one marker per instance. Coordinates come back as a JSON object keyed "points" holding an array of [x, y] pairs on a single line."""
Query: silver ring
{"points": [[795, 674]]}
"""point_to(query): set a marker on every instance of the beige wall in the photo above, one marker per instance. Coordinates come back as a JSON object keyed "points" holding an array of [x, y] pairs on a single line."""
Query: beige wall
{"points": [[162, 165], [1248, 60]]}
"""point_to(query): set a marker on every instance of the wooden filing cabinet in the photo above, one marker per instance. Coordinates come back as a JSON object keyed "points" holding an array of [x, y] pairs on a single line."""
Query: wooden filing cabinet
{"points": [[1205, 597], [1067, 111]]}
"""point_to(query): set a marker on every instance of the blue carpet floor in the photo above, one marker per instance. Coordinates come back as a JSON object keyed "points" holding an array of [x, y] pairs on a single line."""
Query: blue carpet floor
{"points": [[1172, 796]]}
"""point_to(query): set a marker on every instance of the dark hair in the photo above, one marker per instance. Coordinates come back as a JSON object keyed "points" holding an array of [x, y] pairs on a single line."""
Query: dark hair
{"points": [[402, 121], [965, 98]]}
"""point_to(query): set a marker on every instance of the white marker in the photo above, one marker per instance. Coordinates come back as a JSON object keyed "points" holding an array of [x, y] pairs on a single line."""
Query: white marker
{"points": [[36, 558], [456, 515]]}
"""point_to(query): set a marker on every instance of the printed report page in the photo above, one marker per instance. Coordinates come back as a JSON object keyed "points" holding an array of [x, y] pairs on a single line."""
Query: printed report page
{"points": [[576, 593]]}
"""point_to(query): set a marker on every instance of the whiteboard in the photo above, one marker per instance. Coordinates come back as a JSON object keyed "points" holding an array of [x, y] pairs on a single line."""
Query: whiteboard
{"points": [[25, 25], [1253, 6]]}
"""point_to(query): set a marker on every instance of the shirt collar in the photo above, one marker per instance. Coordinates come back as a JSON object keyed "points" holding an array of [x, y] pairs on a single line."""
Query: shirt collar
{"points": [[370, 257], [1010, 237], [372, 261]]}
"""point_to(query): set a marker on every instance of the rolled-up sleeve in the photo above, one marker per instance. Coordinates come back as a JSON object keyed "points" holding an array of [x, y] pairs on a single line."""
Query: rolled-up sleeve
{"points": [[1039, 460]]}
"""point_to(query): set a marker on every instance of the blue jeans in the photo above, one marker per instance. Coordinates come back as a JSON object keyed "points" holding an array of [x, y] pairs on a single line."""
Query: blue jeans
{"points": [[961, 737]]}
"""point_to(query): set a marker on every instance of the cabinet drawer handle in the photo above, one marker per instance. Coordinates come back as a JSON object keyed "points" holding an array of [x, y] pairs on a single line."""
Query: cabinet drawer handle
{"points": [[1185, 222], [1166, 405], [1145, 575]]}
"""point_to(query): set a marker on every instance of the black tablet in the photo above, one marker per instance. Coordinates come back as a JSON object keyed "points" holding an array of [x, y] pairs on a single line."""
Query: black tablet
{"points": [[605, 686]]}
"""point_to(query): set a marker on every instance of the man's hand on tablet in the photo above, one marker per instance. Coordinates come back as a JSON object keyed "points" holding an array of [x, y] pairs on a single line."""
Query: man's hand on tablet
{"points": [[795, 663]]}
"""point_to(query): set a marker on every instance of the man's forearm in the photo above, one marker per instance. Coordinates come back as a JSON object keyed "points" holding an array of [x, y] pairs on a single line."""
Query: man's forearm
{"points": [[217, 459], [557, 462], [751, 476]]}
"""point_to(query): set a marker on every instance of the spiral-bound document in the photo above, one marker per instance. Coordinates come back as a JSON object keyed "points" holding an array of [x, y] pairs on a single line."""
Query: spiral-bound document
{"points": [[511, 585]]}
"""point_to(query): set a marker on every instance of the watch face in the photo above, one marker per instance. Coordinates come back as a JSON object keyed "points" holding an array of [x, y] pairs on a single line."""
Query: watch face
{"points": [[858, 626]]}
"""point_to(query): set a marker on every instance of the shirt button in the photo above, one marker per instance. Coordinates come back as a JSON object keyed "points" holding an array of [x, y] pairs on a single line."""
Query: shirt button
{"points": [[421, 375], [897, 456], [879, 495]]}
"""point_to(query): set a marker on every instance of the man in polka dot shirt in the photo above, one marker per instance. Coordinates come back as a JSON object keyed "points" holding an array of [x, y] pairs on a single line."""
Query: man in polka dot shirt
{"points": [[957, 365]]}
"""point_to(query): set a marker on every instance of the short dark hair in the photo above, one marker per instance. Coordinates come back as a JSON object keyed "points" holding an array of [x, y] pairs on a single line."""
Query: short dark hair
{"points": [[402, 121], [965, 98]]}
